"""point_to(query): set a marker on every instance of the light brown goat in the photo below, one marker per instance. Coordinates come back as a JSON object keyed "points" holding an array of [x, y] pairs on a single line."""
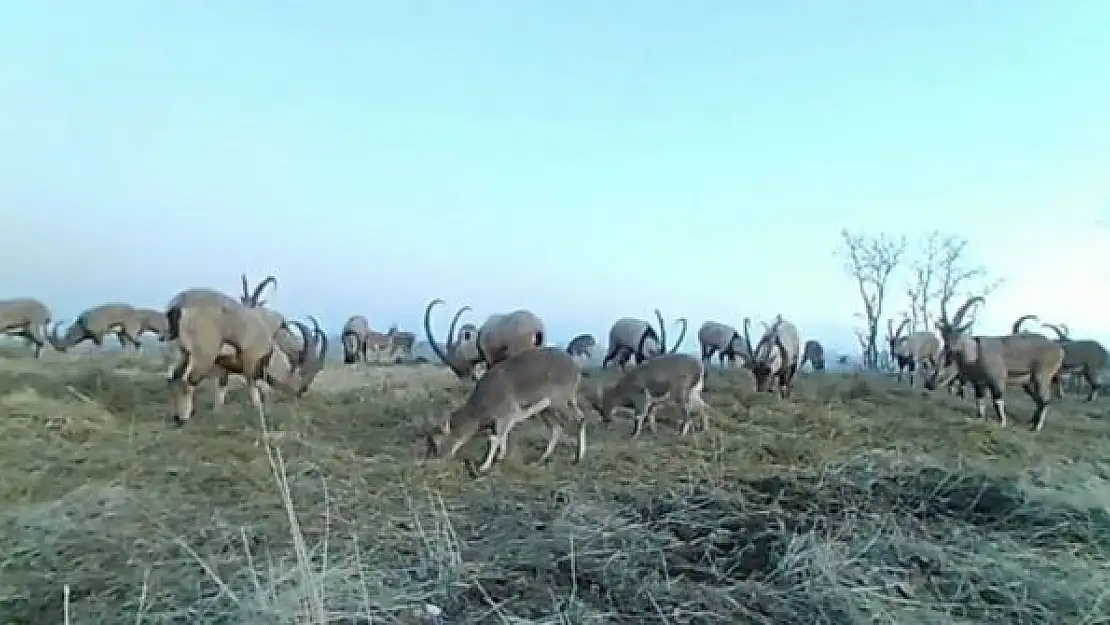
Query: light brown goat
{"points": [[776, 358], [676, 377], [917, 350], [353, 338], [220, 339], [96, 322], [1085, 358], [404, 342], [502, 336], [25, 317], [635, 339], [989, 363], [722, 339], [513, 390], [145, 320]]}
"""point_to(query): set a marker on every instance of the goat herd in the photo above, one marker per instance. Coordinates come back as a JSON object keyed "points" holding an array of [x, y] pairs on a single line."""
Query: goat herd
{"points": [[212, 334]]}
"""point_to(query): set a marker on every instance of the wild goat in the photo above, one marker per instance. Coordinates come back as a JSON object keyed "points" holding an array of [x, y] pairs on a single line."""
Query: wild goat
{"points": [[722, 339], [814, 353], [296, 367], [288, 341], [403, 342], [917, 350], [631, 338], [990, 362], [145, 320], [250, 299], [517, 388], [1084, 357], [776, 357], [94, 323], [25, 317], [381, 343], [640, 390], [228, 337], [582, 345], [291, 343], [500, 337], [353, 338]]}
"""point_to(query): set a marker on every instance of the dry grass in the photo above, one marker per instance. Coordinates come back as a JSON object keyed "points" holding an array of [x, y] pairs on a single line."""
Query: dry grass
{"points": [[856, 502]]}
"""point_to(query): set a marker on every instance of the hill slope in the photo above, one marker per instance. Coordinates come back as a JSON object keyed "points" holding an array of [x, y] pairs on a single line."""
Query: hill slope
{"points": [[855, 502]]}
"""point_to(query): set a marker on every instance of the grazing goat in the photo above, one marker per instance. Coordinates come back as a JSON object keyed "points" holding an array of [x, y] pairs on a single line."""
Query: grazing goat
{"points": [[513, 390], [229, 337], [403, 343], [721, 339], [291, 370], [201, 297], [145, 320], [1083, 357], [814, 353], [25, 317], [582, 345], [94, 323], [991, 362], [380, 343], [640, 390], [502, 336], [631, 338], [353, 339], [776, 358], [917, 350]]}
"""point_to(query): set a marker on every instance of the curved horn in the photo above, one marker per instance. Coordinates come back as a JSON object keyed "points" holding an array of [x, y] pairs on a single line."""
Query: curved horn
{"points": [[1061, 335], [1016, 328], [595, 400], [308, 339], [321, 339], [959, 318], [261, 286], [662, 331], [748, 337], [681, 334], [890, 328], [246, 288], [901, 327], [452, 338], [436, 349], [52, 336], [943, 321]]}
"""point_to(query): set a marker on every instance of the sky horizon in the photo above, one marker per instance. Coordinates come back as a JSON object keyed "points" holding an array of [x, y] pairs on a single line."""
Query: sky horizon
{"points": [[586, 161]]}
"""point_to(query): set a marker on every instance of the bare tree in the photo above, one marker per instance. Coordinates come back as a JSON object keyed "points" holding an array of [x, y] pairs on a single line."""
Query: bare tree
{"points": [[871, 261], [923, 281], [956, 278], [939, 274]]}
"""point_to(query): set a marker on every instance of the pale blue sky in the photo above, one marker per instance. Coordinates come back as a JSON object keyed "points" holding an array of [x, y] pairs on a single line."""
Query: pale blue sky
{"points": [[585, 159]]}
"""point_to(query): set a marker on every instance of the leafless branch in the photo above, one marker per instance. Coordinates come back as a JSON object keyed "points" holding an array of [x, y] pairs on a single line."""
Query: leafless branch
{"points": [[870, 262]]}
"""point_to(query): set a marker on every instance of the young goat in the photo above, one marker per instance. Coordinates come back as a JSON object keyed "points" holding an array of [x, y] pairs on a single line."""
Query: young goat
{"points": [[512, 391], [678, 377]]}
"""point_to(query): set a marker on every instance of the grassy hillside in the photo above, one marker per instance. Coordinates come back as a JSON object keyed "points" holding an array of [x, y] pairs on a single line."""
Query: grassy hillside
{"points": [[855, 502]]}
